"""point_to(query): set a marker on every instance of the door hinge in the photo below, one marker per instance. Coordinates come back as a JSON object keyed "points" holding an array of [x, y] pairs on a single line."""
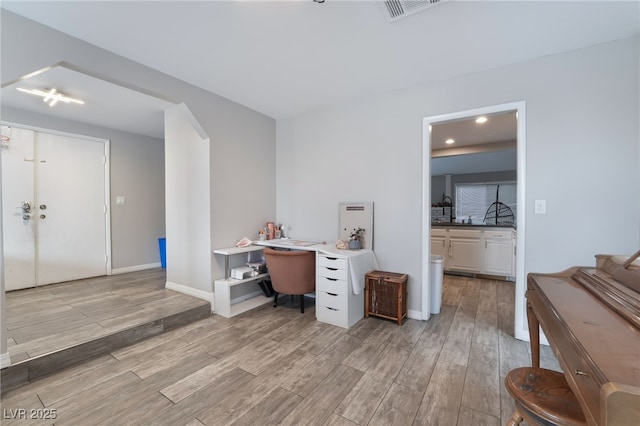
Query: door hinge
{"points": [[104, 159], [105, 209], [106, 258]]}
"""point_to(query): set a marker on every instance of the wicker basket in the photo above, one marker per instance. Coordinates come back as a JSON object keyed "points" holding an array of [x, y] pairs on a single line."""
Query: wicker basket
{"points": [[386, 295]]}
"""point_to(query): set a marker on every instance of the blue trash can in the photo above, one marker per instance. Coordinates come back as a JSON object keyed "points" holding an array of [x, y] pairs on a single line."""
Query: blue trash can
{"points": [[162, 243]]}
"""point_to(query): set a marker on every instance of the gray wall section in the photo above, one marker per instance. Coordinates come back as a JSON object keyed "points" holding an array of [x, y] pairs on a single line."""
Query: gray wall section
{"points": [[136, 172]]}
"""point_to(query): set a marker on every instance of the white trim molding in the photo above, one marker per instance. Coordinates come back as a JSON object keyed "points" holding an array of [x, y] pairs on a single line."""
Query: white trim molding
{"points": [[135, 268], [5, 360], [414, 314], [200, 294]]}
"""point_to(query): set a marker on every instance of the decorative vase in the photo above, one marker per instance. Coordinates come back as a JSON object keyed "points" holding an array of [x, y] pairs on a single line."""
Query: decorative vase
{"points": [[355, 245]]}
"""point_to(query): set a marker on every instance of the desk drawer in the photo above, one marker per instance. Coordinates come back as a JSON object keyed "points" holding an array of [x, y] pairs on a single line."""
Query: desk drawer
{"points": [[331, 285], [332, 300], [332, 262], [332, 309], [324, 271]]}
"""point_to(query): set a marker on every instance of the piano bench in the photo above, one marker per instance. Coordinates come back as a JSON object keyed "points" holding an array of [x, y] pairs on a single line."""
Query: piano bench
{"points": [[542, 397]]}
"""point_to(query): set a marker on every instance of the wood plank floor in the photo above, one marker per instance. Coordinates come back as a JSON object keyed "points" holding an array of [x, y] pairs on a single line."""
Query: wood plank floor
{"points": [[277, 366], [58, 325], [48, 318]]}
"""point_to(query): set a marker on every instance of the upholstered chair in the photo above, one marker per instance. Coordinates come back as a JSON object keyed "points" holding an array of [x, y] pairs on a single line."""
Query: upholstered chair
{"points": [[292, 272]]}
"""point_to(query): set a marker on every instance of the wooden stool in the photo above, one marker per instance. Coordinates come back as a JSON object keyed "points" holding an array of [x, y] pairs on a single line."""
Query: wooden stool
{"points": [[542, 397]]}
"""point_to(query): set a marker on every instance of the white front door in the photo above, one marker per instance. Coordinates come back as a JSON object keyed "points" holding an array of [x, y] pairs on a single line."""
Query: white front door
{"points": [[64, 237], [18, 231]]}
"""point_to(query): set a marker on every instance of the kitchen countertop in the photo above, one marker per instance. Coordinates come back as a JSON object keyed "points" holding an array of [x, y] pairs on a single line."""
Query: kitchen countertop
{"points": [[466, 225]]}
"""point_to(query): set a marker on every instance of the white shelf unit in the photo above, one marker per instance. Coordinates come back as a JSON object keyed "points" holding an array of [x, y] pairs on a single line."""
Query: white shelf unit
{"points": [[222, 300]]}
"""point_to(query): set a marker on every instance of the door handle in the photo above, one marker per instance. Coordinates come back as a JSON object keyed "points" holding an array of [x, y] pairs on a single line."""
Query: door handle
{"points": [[42, 216], [43, 206], [26, 206]]}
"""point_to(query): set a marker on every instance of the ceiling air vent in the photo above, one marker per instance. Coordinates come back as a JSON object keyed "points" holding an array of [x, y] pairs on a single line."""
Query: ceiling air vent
{"points": [[396, 9]]}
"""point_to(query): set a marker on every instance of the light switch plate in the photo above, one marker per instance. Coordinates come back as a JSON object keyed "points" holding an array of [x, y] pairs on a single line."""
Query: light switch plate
{"points": [[120, 199], [540, 207]]}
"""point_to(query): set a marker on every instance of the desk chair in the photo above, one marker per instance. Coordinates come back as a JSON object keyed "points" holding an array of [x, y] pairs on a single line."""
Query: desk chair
{"points": [[292, 272]]}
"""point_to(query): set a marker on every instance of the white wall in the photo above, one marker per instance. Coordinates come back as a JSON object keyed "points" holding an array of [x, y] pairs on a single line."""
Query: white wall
{"points": [[582, 157], [187, 203]]}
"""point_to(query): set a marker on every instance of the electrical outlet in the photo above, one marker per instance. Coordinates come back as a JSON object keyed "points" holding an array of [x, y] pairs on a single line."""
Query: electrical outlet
{"points": [[540, 207]]}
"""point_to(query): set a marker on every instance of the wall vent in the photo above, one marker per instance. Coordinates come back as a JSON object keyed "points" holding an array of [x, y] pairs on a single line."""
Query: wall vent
{"points": [[396, 9]]}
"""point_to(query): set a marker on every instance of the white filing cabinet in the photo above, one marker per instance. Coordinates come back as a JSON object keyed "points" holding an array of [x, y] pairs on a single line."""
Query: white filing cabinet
{"points": [[335, 302]]}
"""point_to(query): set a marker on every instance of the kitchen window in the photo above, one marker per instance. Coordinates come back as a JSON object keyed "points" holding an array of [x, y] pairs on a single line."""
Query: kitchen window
{"points": [[473, 200]]}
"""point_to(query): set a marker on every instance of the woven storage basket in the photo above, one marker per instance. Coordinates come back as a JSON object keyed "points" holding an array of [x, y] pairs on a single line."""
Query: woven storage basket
{"points": [[386, 295]]}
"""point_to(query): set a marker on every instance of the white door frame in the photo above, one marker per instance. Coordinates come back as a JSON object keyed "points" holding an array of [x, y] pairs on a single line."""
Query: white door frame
{"points": [[107, 168], [520, 328]]}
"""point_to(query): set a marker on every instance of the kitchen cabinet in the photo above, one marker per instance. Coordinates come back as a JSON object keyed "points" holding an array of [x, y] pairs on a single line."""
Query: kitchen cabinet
{"points": [[439, 244], [499, 256], [465, 250], [476, 249]]}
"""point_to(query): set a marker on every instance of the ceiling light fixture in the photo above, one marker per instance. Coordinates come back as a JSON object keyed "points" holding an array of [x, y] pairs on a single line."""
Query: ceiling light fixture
{"points": [[449, 141], [51, 96], [481, 119]]}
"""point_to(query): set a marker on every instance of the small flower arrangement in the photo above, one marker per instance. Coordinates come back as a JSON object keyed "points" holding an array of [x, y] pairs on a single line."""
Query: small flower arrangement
{"points": [[356, 235]]}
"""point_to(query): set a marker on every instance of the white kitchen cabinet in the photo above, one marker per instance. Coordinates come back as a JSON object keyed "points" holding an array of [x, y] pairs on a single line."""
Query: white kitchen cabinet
{"points": [[465, 250], [440, 245], [498, 253], [476, 249]]}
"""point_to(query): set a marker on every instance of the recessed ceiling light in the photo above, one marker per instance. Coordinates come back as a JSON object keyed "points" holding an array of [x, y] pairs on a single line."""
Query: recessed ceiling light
{"points": [[481, 119], [51, 96], [449, 141]]}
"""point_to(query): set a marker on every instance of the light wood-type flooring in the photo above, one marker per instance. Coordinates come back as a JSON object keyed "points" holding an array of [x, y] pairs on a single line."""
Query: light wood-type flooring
{"points": [[278, 366], [62, 324]]}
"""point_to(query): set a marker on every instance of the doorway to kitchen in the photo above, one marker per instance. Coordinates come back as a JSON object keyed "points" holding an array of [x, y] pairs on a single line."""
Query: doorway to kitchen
{"points": [[428, 123]]}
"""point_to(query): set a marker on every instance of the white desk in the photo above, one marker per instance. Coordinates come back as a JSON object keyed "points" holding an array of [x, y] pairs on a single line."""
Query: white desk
{"points": [[291, 244], [339, 279], [253, 297]]}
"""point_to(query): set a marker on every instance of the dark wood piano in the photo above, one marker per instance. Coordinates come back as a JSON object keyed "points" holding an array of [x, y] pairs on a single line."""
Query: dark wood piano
{"points": [[591, 317]]}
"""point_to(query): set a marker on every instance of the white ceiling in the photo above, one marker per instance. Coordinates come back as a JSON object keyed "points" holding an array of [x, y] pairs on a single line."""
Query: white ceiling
{"points": [[501, 127], [287, 57], [105, 104], [283, 58], [478, 147]]}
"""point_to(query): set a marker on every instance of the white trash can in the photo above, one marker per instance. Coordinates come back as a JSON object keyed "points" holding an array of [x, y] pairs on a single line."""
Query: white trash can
{"points": [[435, 282]]}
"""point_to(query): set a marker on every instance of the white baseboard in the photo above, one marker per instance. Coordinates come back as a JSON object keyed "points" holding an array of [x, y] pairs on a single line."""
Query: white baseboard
{"points": [[416, 315], [135, 268], [200, 294], [5, 360]]}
